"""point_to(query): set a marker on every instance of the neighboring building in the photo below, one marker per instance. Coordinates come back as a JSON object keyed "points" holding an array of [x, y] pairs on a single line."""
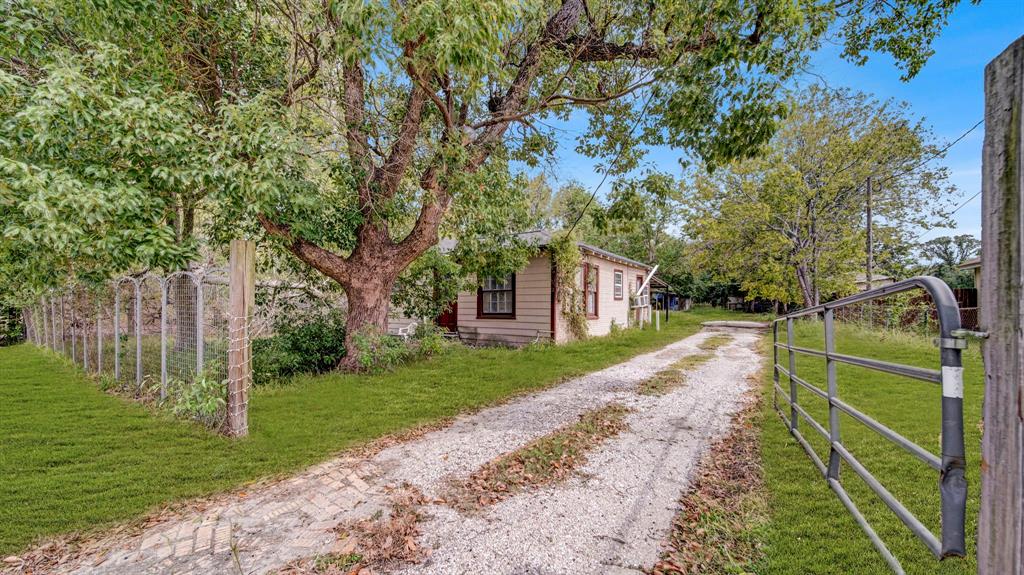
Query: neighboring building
{"points": [[876, 281], [968, 298], [522, 307], [973, 265]]}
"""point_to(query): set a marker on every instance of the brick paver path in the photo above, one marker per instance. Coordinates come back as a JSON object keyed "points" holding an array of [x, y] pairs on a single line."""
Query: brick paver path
{"points": [[290, 519]]}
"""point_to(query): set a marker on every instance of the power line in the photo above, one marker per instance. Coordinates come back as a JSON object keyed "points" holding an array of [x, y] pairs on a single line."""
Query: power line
{"points": [[955, 210], [967, 201], [604, 177], [936, 154]]}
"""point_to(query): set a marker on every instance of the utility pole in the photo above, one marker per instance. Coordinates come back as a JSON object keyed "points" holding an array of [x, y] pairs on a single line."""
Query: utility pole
{"points": [[871, 244]]}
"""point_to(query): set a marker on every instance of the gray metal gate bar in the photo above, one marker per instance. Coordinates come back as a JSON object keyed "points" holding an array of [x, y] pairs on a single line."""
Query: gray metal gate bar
{"points": [[74, 332], [138, 333], [63, 339], [924, 374], [833, 393], [952, 485], [913, 448], [53, 320], [99, 337], [876, 541], [810, 387], [200, 336]]}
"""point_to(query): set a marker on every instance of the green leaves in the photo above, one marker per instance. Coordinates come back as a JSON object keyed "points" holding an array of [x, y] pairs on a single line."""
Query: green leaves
{"points": [[90, 171], [904, 29], [788, 225]]}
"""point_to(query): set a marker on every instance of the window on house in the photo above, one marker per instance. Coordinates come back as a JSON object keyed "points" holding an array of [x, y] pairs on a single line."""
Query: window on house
{"points": [[618, 283], [497, 297], [590, 287]]}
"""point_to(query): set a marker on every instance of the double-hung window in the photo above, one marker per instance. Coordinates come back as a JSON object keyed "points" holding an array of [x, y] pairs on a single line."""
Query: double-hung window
{"points": [[590, 287], [618, 283], [496, 297]]}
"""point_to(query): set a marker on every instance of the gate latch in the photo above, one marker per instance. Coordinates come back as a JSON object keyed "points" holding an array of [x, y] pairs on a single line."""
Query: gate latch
{"points": [[959, 339], [962, 333], [950, 342]]}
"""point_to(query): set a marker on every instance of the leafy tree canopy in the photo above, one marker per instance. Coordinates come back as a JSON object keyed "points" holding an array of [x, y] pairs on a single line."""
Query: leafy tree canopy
{"points": [[356, 133], [789, 224], [943, 256]]}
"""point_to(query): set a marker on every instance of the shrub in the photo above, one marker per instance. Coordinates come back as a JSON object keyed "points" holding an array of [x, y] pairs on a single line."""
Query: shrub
{"points": [[204, 400], [615, 328], [378, 351], [11, 330], [429, 340], [314, 343]]}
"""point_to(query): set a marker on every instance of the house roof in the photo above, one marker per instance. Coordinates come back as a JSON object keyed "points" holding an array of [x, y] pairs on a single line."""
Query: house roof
{"points": [[863, 278], [541, 238], [970, 264]]}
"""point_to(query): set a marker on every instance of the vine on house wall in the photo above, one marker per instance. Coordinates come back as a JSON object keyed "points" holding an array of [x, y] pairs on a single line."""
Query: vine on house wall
{"points": [[565, 256]]}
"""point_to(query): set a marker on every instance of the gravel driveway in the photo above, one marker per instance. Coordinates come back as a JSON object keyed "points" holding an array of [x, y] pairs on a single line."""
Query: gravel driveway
{"points": [[614, 517], [611, 518]]}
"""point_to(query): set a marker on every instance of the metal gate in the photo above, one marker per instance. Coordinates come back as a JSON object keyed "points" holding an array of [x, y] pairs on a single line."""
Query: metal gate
{"points": [[950, 466]]}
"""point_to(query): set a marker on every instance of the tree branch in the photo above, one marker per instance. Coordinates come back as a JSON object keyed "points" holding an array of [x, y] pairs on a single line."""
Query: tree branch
{"points": [[324, 261], [390, 174]]}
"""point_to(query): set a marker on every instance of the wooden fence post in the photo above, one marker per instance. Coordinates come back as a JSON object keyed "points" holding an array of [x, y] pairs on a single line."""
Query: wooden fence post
{"points": [[1001, 523], [241, 302]]}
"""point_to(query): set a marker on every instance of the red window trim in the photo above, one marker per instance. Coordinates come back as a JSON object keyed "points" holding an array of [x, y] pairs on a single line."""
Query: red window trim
{"points": [[622, 290], [480, 304], [597, 288]]}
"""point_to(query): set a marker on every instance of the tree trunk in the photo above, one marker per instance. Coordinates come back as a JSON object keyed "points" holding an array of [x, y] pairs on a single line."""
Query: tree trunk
{"points": [[803, 278], [369, 299]]}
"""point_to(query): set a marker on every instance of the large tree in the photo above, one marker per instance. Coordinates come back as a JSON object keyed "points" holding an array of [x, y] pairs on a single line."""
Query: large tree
{"points": [[357, 132], [642, 215], [943, 256], [789, 224]]}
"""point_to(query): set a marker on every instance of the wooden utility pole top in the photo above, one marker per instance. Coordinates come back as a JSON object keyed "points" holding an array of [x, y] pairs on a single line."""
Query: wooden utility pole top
{"points": [[1001, 523], [870, 239]]}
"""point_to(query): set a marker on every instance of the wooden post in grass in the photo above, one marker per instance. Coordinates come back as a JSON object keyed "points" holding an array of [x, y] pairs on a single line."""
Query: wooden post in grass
{"points": [[1001, 523], [241, 300]]}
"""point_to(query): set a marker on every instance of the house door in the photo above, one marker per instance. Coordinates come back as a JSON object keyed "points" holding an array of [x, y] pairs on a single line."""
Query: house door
{"points": [[449, 318]]}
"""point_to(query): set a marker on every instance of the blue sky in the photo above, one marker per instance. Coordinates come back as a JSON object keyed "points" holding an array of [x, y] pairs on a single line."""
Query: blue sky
{"points": [[948, 93]]}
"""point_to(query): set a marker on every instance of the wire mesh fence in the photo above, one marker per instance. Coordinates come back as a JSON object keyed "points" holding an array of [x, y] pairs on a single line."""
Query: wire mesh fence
{"points": [[186, 336], [144, 333]]}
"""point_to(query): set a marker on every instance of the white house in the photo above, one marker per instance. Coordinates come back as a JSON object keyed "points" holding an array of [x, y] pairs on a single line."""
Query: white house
{"points": [[523, 307]]}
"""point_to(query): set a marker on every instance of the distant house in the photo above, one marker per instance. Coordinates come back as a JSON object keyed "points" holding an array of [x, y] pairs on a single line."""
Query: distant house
{"points": [[523, 307], [876, 281], [973, 265]]}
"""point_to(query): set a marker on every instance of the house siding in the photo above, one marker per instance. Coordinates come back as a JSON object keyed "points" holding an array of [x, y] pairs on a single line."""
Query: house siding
{"points": [[608, 308], [533, 310]]}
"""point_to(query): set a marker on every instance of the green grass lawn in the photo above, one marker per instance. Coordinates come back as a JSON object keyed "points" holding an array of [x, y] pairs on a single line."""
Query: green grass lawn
{"points": [[73, 458], [810, 531]]}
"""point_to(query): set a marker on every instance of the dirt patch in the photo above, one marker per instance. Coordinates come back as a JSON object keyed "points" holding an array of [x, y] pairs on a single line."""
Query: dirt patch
{"points": [[662, 382], [549, 459], [716, 529], [714, 342], [666, 380], [374, 545]]}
